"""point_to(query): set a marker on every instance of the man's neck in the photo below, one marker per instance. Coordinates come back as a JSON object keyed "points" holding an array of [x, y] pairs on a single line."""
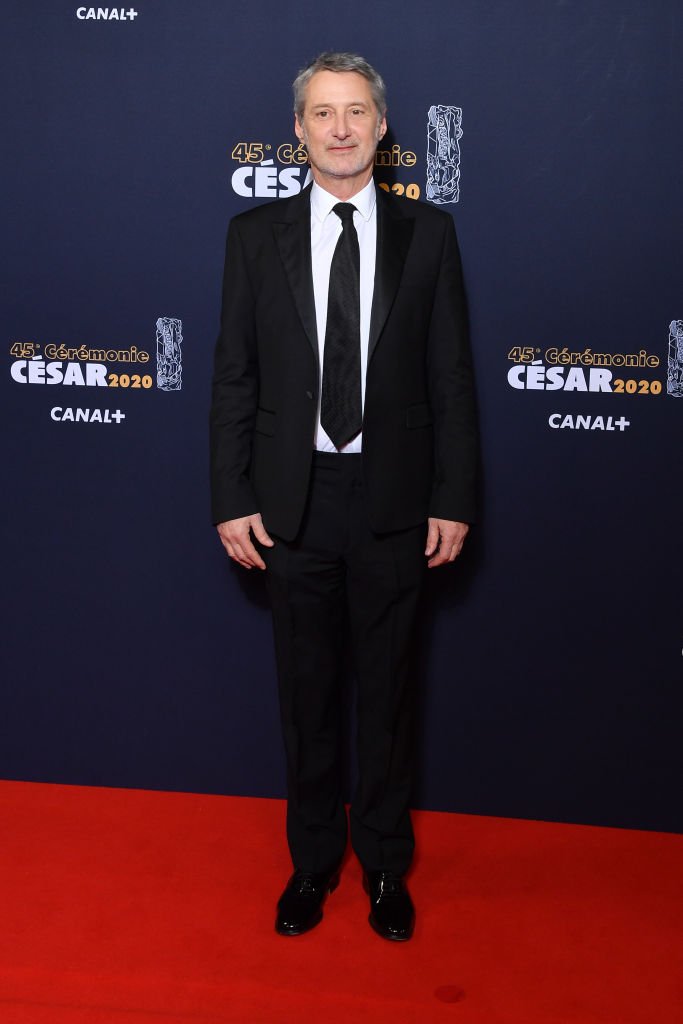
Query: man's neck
{"points": [[343, 188]]}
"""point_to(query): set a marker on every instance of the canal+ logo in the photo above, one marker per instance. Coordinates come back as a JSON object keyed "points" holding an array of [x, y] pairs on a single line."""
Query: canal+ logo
{"points": [[106, 14]]}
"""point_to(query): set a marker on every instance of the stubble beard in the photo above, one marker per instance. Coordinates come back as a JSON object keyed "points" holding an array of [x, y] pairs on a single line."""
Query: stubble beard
{"points": [[332, 171]]}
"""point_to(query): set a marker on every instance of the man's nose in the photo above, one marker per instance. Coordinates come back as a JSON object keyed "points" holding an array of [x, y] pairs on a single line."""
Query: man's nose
{"points": [[341, 126]]}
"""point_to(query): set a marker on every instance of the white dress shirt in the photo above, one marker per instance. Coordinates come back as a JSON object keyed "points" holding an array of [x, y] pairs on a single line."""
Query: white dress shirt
{"points": [[326, 227]]}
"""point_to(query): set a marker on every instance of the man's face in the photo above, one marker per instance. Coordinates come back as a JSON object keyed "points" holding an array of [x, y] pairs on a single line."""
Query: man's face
{"points": [[340, 127]]}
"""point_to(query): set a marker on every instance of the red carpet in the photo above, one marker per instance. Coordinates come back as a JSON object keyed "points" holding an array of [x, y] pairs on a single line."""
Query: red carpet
{"points": [[131, 907]]}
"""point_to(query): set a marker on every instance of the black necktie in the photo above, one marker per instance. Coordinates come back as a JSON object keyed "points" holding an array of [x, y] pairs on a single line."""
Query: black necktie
{"points": [[340, 405]]}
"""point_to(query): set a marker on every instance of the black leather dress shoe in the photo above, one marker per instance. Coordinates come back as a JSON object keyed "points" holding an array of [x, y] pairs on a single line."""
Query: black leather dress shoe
{"points": [[300, 907], [392, 913]]}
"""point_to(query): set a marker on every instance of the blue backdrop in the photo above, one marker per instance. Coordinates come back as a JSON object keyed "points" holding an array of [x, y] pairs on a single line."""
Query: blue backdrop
{"points": [[551, 654]]}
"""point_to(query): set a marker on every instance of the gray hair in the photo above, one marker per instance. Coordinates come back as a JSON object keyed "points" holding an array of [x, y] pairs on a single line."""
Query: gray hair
{"points": [[340, 62]]}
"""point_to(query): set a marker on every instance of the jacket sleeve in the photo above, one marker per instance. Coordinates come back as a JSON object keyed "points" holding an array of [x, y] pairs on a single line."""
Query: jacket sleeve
{"points": [[235, 390], [452, 395]]}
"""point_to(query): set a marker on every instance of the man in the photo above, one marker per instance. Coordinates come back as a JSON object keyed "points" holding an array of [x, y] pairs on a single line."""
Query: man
{"points": [[343, 457]]}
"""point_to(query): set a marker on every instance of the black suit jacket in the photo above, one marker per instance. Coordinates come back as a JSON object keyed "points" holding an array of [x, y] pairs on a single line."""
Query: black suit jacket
{"points": [[419, 429]]}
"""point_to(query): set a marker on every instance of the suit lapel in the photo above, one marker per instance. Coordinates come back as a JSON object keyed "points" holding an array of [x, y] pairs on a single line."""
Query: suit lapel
{"points": [[394, 234], [293, 238]]}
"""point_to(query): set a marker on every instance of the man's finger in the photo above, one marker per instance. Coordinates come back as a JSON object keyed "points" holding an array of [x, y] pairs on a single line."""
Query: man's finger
{"points": [[260, 533], [450, 544], [440, 554], [432, 538], [249, 555], [236, 555]]}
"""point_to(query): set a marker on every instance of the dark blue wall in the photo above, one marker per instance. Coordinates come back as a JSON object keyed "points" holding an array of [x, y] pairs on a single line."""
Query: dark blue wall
{"points": [[136, 655]]}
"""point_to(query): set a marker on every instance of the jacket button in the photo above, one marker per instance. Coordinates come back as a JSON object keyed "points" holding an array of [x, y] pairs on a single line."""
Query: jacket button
{"points": [[309, 394]]}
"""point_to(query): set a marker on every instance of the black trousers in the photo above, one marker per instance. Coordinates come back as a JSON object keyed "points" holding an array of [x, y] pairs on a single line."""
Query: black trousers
{"points": [[337, 565]]}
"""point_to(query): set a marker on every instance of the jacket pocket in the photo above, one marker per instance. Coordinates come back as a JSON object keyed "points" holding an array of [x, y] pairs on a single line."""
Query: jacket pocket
{"points": [[418, 415], [265, 422]]}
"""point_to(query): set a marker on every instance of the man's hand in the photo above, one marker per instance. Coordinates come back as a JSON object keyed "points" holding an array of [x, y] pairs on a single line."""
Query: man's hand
{"points": [[445, 539], [235, 538]]}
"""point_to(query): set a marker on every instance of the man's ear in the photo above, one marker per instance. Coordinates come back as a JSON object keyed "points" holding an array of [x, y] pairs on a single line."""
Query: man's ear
{"points": [[298, 130], [382, 128]]}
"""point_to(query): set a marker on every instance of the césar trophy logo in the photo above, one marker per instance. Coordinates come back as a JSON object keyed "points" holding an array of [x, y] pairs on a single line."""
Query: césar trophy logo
{"points": [[169, 353], [674, 370], [444, 130]]}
